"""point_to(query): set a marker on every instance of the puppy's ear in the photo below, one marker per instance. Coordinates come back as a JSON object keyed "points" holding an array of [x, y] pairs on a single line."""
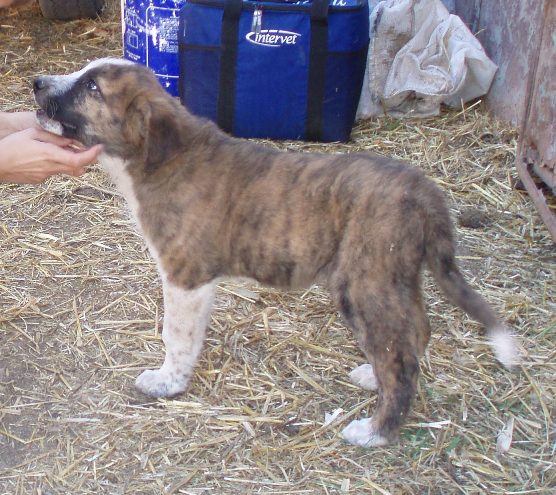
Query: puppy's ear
{"points": [[153, 127]]}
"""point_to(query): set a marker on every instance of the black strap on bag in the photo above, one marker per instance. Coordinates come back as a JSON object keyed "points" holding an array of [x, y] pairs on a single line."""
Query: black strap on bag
{"points": [[317, 67], [228, 64]]}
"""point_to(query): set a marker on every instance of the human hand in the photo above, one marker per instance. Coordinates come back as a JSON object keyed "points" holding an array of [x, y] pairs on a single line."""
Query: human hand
{"points": [[32, 155]]}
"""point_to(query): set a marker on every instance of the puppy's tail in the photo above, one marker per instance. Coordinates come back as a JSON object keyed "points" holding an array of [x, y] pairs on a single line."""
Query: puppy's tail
{"points": [[440, 256]]}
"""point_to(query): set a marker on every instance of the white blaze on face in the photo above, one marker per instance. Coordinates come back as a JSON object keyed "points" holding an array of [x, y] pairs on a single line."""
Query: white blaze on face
{"points": [[62, 83]]}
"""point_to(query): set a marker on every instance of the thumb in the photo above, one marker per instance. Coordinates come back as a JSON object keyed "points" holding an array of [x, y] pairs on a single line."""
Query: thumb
{"points": [[88, 156]]}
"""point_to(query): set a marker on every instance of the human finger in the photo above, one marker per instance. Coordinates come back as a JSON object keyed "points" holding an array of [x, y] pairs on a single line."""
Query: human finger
{"points": [[48, 137], [75, 159]]}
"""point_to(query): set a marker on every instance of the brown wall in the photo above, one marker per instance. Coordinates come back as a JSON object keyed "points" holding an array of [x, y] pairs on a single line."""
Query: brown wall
{"points": [[510, 31], [520, 36]]}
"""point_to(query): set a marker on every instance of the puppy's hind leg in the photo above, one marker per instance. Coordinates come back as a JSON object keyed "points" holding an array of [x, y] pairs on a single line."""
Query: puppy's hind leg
{"points": [[186, 315], [397, 374], [387, 328]]}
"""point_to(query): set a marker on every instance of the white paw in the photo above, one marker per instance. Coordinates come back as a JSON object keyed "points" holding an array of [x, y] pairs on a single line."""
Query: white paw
{"points": [[360, 432], [159, 383], [364, 377]]}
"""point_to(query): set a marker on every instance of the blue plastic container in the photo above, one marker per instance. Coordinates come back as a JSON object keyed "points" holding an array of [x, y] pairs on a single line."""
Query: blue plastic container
{"points": [[150, 37], [275, 69]]}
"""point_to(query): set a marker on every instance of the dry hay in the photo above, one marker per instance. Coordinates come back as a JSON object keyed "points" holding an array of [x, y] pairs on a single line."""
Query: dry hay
{"points": [[80, 318]]}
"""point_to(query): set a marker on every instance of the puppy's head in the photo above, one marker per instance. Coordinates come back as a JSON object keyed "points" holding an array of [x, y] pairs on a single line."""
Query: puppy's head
{"points": [[113, 102]]}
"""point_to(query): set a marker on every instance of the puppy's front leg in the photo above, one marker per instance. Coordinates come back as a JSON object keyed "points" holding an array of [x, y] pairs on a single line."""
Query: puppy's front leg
{"points": [[186, 315]]}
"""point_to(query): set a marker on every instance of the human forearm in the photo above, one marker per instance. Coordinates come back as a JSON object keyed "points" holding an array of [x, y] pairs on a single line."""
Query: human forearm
{"points": [[16, 121]]}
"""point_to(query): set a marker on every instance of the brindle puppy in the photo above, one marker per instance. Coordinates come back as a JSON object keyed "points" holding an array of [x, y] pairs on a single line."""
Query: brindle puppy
{"points": [[212, 206]]}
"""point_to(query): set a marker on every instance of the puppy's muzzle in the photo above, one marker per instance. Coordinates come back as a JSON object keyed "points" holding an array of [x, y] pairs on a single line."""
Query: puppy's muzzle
{"points": [[47, 115], [41, 88]]}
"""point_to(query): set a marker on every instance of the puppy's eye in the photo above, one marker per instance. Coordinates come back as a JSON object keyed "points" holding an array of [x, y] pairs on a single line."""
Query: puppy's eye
{"points": [[92, 85]]}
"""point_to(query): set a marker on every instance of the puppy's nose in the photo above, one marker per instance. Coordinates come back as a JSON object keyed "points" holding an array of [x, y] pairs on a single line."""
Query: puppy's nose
{"points": [[39, 83]]}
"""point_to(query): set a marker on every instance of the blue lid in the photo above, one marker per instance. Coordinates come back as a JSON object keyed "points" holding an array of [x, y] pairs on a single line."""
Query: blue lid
{"points": [[302, 5]]}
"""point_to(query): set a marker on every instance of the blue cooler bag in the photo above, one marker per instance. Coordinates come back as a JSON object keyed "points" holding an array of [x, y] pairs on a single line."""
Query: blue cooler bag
{"points": [[274, 69]]}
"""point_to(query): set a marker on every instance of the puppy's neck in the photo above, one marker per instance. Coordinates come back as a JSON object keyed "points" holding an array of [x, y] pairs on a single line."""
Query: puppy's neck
{"points": [[117, 169]]}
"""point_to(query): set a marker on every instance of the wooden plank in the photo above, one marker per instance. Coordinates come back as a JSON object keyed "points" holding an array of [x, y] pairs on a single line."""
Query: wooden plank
{"points": [[510, 32], [539, 130]]}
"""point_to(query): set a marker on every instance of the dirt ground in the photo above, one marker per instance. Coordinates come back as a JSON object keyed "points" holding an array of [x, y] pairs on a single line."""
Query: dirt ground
{"points": [[80, 318]]}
